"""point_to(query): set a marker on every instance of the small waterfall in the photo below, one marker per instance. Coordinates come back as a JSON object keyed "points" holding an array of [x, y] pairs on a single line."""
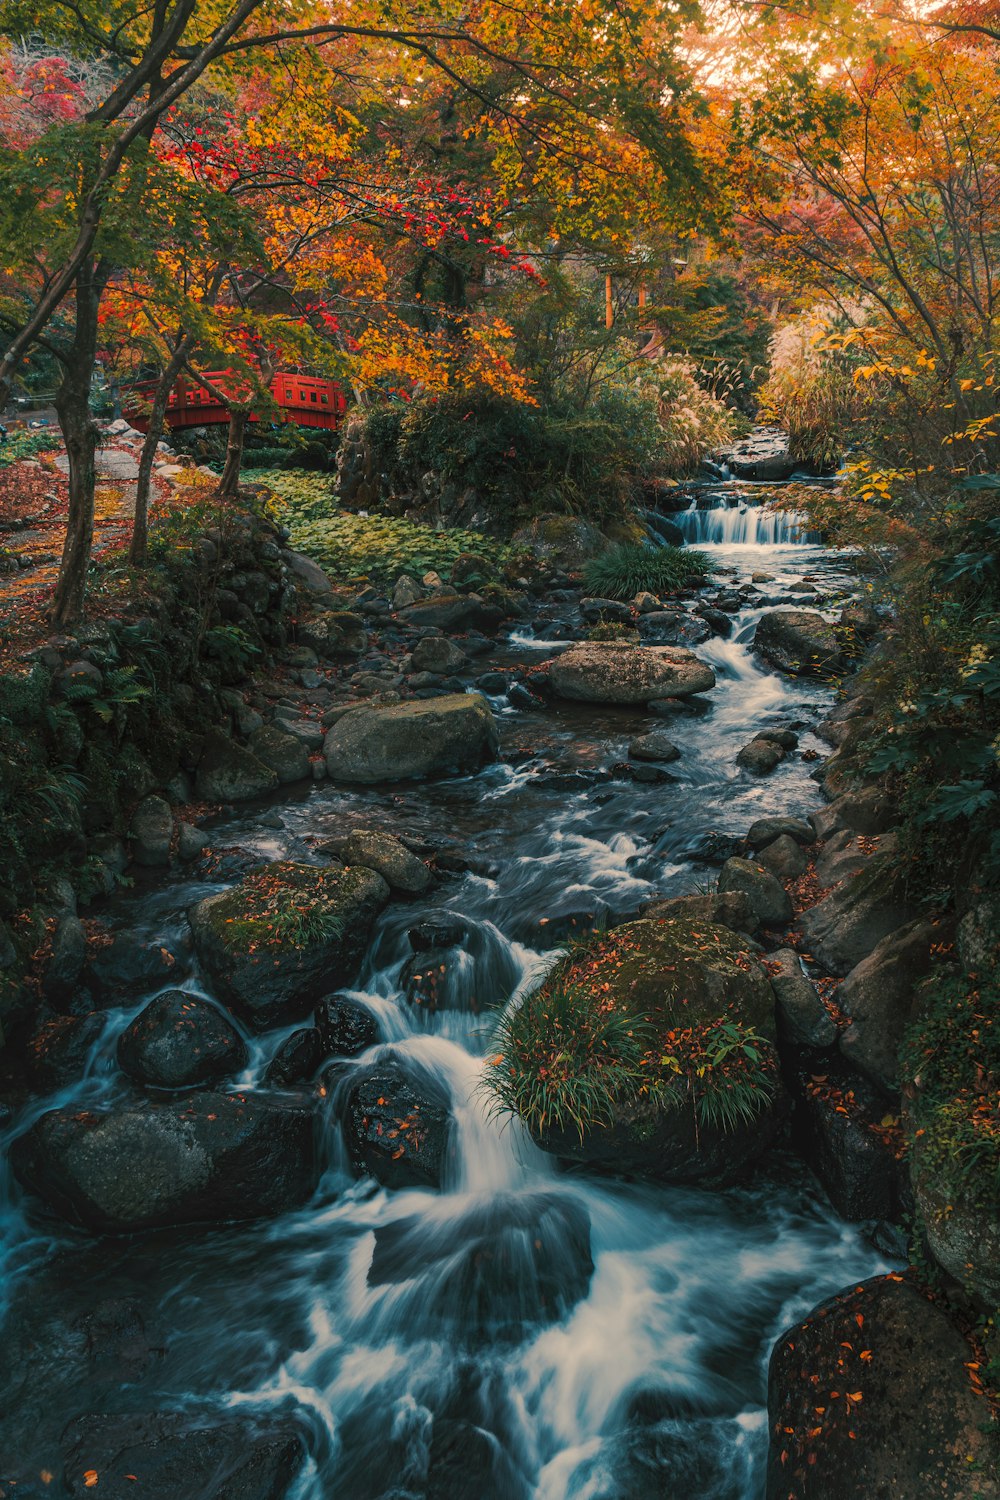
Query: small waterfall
{"points": [[743, 524]]}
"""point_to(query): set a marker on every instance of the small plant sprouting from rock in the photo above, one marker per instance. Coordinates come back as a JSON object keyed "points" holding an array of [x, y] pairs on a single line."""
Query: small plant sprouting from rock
{"points": [[727, 1068], [630, 569]]}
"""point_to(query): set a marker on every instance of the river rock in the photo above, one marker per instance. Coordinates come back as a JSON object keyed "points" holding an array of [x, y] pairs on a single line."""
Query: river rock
{"points": [[282, 753], [66, 960], [152, 832], [59, 1050], [653, 746], [763, 890], [454, 612], [397, 1127], [762, 455], [407, 741], [509, 1262], [799, 642], [784, 858], [436, 653], [960, 1218], [594, 610], [130, 965], [605, 672], [564, 542], [765, 830], [761, 755], [877, 995], [803, 1019], [309, 573], [297, 1059], [977, 940], [202, 1158], [732, 909], [334, 632], [673, 628], [252, 943], [852, 920], [401, 870], [679, 974], [838, 1128], [179, 1041], [346, 1026], [868, 811], [211, 1455], [870, 1396], [228, 772]]}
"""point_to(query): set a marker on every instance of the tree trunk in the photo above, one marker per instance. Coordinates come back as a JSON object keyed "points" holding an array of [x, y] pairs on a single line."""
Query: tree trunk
{"points": [[157, 418], [230, 482], [80, 436]]}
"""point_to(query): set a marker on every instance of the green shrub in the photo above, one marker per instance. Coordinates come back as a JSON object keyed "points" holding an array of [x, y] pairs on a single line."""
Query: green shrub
{"points": [[21, 445], [378, 548], [630, 569]]}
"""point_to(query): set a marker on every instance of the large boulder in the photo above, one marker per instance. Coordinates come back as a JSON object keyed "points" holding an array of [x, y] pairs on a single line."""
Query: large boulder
{"points": [[803, 1019], [406, 741], [870, 1396], [729, 909], [228, 772], [687, 985], [199, 1158], [457, 612], [346, 1026], [397, 1127], [334, 632], [877, 995], [852, 920], [562, 541], [179, 1041], [764, 891], [799, 642], [184, 1455], [282, 753], [606, 672], [152, 832], [436, 653], [285, 934], [843, 1130], [763, 454]]}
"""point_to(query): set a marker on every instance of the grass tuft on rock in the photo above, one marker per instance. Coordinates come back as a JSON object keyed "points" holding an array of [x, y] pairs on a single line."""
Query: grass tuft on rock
{"points": [[630, 569], [282, 906]]}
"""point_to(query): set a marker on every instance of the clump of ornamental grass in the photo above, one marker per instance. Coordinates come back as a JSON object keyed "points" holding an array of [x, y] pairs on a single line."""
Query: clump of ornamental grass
{"points": [[631, 568], [283, 906], [727, 1069]]}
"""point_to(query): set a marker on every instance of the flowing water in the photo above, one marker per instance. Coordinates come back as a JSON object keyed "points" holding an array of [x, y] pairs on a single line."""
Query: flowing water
{"points": [[654, 1383]]}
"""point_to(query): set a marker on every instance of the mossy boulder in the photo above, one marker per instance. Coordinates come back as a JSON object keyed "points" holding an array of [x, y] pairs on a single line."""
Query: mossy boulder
{"points": [[608, 672], [228, 772], [799, 642], [408, 741], [692, 989], [561, 541], [285, 935]]}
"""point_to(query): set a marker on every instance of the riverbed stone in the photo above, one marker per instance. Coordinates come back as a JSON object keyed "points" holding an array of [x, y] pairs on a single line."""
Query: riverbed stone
{"points": [[606, 672], [784, 858], [283, 753], [58, 1051], [764, 891], [399, 868], [297, 1059], [437, 654], [228, 772], [799, 642], [653, 746], [397, 1127], [765, 830], [852, 920], [179, 1041], [878, 995], [803, 1019], [408, 741], [254, 949], [676, 974], [761, 755], [334, 633], [452, 612], [151, 832], [870, 1396], [179, 1455], [346, 1026], [732, 909], [200, 1158]]}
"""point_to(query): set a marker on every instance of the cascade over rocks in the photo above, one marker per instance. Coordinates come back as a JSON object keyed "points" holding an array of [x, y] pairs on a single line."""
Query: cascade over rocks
{"points": [[179, 1455], [262, 960], [408, 741], [870, 1396], [200, 1158], [605, 672]]}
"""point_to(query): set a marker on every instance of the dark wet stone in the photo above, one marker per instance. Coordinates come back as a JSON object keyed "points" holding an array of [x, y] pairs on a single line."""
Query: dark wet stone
{"points": [[58, 1051], [444, 931], [397, 1127], [297, 1059], [181, 1040], [346, 1027]]}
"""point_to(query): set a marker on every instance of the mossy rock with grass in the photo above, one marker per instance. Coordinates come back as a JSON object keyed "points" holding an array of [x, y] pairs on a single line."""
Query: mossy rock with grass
{"points": [[648, 1052], [286, 935]]}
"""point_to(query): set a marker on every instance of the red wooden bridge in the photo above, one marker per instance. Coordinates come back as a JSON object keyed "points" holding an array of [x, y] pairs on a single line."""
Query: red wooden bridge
{"points": [[306, 400]]}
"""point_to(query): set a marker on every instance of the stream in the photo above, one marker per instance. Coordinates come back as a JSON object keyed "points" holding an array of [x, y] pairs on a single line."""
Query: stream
{"points": [[654, 1384]]}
